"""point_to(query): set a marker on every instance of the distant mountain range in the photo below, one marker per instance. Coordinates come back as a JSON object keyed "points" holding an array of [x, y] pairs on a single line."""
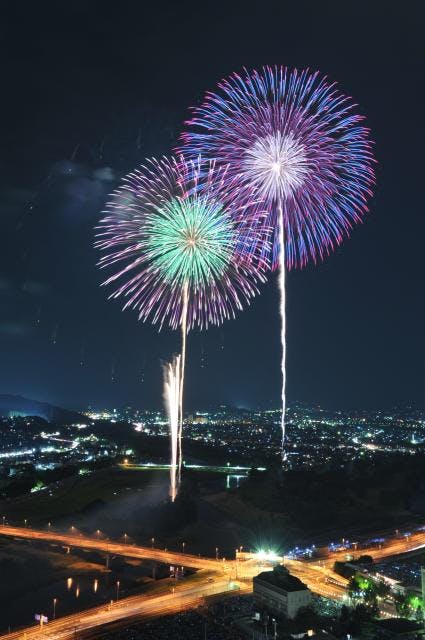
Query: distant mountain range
{"points": [[18, 405]]}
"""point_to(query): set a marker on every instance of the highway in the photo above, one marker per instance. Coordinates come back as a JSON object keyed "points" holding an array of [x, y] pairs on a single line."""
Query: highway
{"points": [[312, 574], [320, 580], [387, 549], [320, 577], [115, 548], [220, 577], [131, 609]]}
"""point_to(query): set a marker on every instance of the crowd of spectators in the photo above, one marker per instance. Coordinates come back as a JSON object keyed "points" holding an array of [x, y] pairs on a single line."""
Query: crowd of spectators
{"points": [[210, 622]]}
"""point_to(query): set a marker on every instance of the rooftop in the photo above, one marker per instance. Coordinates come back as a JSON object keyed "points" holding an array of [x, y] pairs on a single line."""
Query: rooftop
{"points": [[280, 577]]}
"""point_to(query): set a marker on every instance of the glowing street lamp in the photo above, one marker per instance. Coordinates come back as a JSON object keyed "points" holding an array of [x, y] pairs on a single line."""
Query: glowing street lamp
{"points": [[118, 589], [54, 608], [152, 541]]}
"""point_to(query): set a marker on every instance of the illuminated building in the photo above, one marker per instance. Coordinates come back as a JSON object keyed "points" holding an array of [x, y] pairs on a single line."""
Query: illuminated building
{"points": [[280, 593]]}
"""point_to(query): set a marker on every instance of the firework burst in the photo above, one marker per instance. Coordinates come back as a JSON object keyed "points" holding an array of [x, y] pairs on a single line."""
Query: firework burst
{"points": [[294, 140], [170, 228]]}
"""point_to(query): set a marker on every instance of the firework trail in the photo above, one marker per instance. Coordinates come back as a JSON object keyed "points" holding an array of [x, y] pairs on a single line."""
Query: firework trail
{"points": [[294, 141], [38, 315], [282, 311], [172, 390], [55, 334], [142, 370], [101, 148], [185, 302], [74, 153], [180, 250], [112, 371]]}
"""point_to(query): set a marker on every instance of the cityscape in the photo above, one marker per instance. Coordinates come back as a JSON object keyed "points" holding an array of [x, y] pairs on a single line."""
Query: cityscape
{"points": [[68, 483], [212, 412], [316, 437]]}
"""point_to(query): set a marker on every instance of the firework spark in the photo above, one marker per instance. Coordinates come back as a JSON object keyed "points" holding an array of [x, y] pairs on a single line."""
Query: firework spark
{"points": [[294, 140], [172, 390]]}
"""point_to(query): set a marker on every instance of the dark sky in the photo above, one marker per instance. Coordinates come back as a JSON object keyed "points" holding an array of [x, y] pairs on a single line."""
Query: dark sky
{"points": [[91, 88]]}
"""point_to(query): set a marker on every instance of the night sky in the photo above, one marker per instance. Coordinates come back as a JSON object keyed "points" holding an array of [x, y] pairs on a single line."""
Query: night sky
{"points": [[91, 88]]}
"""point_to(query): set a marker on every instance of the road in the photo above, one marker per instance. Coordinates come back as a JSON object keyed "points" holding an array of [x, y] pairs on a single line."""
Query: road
{"points": [[389, 548], [318, 575], [115, 548], [229, 572], [131, 609], [320, 580]]}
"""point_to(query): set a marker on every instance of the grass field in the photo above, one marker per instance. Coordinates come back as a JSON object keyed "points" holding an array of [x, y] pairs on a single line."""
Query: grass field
{"points": [[74, 495]]}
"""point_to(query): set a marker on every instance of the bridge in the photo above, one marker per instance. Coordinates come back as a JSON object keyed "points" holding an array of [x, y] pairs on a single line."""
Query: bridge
{"points": [[215, 577]]}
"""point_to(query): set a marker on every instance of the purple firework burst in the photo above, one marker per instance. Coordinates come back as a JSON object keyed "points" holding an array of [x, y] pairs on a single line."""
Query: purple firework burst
{"points": [[295, 140]]}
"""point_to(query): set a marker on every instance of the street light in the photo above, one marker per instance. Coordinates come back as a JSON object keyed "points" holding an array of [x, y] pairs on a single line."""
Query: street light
{"points": [[152, 541], [25, 522], [54, 608], [183, 546], [4, 520], [125, 538], [118, 589], [216, 553]]}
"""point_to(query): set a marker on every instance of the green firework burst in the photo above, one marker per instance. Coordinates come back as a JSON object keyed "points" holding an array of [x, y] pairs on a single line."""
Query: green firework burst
{"points": [[190, 240]]}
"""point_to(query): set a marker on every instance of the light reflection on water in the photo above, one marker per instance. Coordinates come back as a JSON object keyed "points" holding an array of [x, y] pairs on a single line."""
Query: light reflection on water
{"points": [[233, 481]]}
